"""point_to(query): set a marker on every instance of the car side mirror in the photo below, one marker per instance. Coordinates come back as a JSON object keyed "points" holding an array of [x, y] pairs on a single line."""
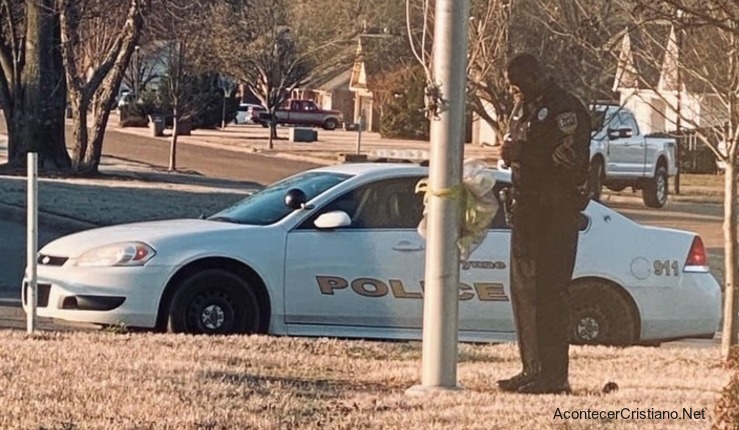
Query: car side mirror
{"points": [[332, 220], [619, 133], [295, 198]]}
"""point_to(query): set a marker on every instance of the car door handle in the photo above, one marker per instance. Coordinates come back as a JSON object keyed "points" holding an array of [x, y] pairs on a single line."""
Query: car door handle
{"points": [[406, 246]]}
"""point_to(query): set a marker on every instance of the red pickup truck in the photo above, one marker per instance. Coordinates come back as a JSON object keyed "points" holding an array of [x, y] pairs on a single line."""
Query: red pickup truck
{"points": [[302, 112]]}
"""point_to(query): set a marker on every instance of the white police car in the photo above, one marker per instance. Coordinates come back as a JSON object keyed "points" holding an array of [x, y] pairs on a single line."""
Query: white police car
{"points": [[335, 252]]}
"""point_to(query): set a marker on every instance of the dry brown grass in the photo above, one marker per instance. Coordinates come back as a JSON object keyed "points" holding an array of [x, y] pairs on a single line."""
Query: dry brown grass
{"points": [[105, 380]]}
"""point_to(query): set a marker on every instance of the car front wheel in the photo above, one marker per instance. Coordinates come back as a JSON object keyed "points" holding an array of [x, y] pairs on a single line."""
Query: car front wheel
{"points": [[601, 316], [213, 301]]}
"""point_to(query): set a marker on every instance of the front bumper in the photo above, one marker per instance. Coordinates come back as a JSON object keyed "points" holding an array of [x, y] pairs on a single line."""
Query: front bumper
{"points": [[108, 295]]}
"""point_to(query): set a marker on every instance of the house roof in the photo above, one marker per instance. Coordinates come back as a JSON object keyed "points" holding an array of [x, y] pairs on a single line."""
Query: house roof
{"points": [[652, 56], [336, 81], [641, 67]]}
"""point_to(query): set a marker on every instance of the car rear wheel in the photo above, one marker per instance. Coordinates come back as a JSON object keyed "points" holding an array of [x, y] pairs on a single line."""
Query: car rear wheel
{"points": [[601, 316], [654, 193], [214, 301]]}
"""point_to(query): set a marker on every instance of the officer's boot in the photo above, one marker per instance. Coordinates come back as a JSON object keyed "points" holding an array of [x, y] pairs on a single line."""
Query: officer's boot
{"points": [[553, 378], [528, 348]]}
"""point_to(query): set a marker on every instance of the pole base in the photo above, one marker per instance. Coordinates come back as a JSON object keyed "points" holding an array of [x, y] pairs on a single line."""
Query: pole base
{"points": [[428, 390]]}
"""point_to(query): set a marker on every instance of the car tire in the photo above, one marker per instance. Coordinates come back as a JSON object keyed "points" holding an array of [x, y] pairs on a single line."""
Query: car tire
{"points": [[330, 124], [597, 174], [214, 301], [599, 315], [655, 192]]}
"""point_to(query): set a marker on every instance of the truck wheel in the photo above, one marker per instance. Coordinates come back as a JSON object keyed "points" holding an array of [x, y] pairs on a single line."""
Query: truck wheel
{"points": [[654, 193], [596, 179], [330, 124]]}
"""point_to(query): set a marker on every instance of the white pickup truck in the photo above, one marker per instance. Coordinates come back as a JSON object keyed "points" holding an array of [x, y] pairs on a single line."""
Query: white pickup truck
{"points": [[621, 156]]}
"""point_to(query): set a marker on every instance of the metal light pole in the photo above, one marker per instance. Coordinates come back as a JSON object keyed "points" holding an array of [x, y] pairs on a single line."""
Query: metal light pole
{"points": [[441, 291], [32, 241], [359, 131]]}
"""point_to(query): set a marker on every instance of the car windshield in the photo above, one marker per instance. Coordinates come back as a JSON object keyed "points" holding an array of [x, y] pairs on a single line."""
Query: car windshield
{"points": [[267, 206]]}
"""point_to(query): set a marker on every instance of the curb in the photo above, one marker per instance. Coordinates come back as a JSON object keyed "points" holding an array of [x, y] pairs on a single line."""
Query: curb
{"points": [[19, 215], [612, 198], [10, 303]]}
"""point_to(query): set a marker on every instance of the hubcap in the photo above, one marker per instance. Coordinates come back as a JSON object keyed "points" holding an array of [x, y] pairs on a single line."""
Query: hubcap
{"points": [[210, 311], [661, 188], [588, 328], [213, 317]]}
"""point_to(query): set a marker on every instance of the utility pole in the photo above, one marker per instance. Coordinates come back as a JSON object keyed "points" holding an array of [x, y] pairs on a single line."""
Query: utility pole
{"points": [[441, 290]]}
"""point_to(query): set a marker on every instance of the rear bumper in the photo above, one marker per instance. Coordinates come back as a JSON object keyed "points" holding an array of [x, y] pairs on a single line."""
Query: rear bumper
{"points": [[690, 310]]}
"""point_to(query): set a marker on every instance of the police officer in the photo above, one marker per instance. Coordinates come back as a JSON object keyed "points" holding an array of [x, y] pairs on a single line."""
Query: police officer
{"points": [[548, 150]]}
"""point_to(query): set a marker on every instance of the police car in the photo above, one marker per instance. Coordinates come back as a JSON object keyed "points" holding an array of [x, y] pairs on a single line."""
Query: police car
{"points": [[335, 251]]}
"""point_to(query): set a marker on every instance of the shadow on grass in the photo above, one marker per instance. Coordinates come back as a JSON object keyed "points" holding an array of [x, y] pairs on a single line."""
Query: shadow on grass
{"points": [[300, 387], [110, 199]]}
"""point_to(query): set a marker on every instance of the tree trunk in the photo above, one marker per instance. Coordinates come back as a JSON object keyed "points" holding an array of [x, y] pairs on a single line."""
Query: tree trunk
{"points": [[95, 151], [173, 143], [272, 134], [729, 332], [79, 131], [39, 113]]}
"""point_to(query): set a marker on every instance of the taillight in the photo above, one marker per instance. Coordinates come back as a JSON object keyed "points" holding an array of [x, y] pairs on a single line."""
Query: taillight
{"points": [[697, 254]]}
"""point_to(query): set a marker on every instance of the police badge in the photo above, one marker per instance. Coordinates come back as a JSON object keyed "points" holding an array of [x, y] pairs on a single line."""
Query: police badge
{"points": [[542, 115], [567, 122]]}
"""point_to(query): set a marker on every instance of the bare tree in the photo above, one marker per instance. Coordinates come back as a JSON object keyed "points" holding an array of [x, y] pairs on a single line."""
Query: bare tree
{"points": [[32, 90], [142, 70], [95, 60], [708, 62], [487, 89], [272, 48], [182, 25]]}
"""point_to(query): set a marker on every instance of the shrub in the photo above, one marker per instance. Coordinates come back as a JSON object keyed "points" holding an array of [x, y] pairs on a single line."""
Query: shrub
{"points": [[402, 109], [202, 100]]}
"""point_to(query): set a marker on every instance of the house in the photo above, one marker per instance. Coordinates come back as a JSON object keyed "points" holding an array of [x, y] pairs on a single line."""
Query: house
{"points": [[652, 80], [332, 93], [377, 56]]}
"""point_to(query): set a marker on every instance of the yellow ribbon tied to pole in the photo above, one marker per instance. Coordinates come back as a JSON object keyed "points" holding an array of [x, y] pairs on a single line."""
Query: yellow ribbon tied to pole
{"points": [[476, 200]]}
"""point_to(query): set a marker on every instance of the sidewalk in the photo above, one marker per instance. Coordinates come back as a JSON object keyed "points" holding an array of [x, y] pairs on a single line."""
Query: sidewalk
{"points": [[330, 144]]}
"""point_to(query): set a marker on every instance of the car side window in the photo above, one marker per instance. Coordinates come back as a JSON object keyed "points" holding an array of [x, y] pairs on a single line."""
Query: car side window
{"points": [[386, 204], [616, 122], [629, 122]]}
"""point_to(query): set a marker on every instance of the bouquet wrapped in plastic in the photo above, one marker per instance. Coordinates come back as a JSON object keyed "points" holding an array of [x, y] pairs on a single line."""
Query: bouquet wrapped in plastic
{"points": [[477, 201]]}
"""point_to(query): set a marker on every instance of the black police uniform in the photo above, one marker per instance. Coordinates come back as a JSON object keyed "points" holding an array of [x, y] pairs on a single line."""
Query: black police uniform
{"points": [[549, 191]]}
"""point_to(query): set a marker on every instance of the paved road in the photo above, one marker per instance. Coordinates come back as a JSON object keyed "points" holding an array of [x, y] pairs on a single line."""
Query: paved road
{"points": [[210, 162], [13, 253]]}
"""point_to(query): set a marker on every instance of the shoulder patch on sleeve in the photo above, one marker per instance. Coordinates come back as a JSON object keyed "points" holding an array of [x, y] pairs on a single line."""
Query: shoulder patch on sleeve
{"points": [[567, 122]]}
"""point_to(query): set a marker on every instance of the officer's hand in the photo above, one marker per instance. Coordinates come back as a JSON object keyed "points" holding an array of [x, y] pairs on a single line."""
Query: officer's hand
{"points": [[511, 150]]}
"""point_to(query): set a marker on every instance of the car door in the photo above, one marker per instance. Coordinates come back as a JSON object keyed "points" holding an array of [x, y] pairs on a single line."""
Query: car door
{"points": [[485, 290], [625, 147], [301, 112], [367, 274]]}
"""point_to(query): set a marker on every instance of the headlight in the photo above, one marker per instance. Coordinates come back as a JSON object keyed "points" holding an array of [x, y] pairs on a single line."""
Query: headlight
{"points": [[119, 254]]}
